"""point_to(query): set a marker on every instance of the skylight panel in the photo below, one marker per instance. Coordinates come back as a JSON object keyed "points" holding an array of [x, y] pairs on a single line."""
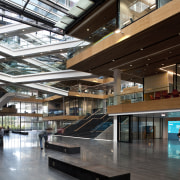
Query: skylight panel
{"points": [[139, 7]]}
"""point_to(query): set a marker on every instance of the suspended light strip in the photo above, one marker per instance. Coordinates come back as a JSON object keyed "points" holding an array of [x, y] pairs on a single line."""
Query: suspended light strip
{"points": [[145, 112]]}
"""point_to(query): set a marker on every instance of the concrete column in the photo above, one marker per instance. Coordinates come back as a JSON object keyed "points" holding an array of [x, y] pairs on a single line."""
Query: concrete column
{"points": [[104, 106], [117, 86], [115, 124]]}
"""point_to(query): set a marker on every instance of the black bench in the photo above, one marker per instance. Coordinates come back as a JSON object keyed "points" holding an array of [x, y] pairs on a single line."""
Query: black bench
{"points": [[20, 132], [62, 147], [86, 171]]}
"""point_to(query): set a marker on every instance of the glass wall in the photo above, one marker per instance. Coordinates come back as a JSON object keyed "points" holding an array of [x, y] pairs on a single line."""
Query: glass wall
{"points": [[132, 10], [124, 128], [23, 122], [83, 106], [146, 127], [27, 107], [162, 2]]}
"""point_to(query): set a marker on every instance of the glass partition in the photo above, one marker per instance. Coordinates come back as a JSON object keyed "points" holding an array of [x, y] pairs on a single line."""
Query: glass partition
{"points": [[124, 128], [132, 10], [162, 2]]}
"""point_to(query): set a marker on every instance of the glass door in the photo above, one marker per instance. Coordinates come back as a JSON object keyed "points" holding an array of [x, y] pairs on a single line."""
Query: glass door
{"points": [[124, 128]]}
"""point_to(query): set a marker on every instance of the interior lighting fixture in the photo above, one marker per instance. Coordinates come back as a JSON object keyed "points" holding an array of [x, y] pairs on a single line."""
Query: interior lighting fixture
{"points": [[148, 59], [163, 114], [126, 22], [146, 112], [153, 6], [113, 60], [117, 31], [87, 29], [23, 30], [130, 65], [162, 64], [141, 49]]}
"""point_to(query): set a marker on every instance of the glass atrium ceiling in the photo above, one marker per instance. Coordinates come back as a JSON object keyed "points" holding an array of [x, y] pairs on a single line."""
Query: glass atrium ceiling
{"points": [[59, 13], [31, 37]]}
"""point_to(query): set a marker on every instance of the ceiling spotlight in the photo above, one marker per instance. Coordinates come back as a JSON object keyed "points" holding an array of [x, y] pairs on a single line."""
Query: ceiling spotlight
{"points": [[162, 64], [141, 49], [117, 31], [131, 65], [23, 30], [113, 60], [148, 59], [87, 29]]}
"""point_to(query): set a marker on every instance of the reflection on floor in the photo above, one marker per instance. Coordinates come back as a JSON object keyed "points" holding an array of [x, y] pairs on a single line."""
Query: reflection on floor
{"points": [[21, 157]]}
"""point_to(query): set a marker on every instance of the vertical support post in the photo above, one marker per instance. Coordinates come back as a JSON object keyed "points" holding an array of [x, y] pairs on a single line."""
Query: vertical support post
{"points": [[143, 90], [115, 124], [138, 127], [117, 86], [63, 107], [157, 4], [176, 76], [118, 14], [146, 127], [130, 128], [153, 127], [20, 116]]}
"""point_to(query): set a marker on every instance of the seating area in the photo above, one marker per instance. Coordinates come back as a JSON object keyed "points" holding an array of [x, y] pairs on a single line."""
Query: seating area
{"points": [[85, 170], [20, 132], [164, 95], [62, 147]]}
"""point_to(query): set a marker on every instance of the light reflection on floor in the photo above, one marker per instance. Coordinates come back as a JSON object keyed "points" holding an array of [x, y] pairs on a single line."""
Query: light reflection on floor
{"points": [[145, 160]]}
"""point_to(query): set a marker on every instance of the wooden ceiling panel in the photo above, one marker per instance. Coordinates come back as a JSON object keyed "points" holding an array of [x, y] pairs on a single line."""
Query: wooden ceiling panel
{"points": [[94, 20], [156, 42], [149, 37]]}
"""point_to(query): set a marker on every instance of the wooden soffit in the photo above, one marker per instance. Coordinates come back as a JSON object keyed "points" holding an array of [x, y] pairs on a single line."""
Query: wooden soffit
{"points": [[152, 36]]}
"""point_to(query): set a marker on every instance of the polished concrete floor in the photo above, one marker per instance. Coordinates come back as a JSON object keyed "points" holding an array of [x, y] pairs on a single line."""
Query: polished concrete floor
{"points": [[21, 158]]}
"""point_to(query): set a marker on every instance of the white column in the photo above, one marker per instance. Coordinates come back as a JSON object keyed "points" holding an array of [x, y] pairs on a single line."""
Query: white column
{"points": [[104, 106], [115, 124], [117, 86]]}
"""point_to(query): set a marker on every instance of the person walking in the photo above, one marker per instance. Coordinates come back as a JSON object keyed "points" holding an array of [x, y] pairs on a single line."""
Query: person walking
{"points": [[1, 136], [43, 134]]}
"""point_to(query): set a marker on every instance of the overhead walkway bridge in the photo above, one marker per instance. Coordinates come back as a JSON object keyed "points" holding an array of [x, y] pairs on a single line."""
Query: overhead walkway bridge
{"points": [[8, 96], [33, 80]]}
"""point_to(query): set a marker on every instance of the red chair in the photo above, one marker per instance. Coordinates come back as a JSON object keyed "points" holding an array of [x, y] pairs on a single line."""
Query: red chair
{"points": [[165, 94], [151, 97], [157, 95], [175, 93]]}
